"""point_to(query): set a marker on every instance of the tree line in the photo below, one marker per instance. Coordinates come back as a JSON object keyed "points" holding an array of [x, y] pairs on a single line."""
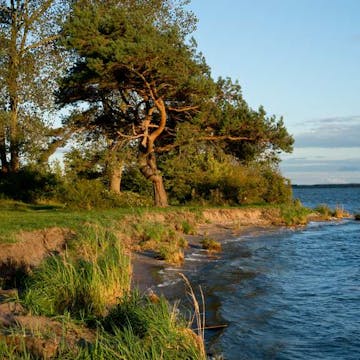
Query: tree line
{"points": [[139, 106]]}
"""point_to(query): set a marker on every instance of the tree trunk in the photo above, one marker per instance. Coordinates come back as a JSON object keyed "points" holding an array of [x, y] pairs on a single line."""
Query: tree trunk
{"points": [[160, 197], [115, 178], [13, 88], [3, 157], [148, 167]]}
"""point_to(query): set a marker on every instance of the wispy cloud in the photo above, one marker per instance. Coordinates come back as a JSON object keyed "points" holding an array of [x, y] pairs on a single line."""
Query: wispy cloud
{"points": [[339, 132], [302, 165]]}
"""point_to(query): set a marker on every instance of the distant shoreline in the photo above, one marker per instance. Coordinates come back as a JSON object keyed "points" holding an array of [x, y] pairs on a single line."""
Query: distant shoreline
{"points": [[296, 186]]}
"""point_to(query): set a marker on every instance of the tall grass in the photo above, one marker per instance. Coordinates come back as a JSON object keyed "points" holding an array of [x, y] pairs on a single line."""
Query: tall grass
{"points": [[142, 329], [294, 214], [165, 240], [91, 275]]}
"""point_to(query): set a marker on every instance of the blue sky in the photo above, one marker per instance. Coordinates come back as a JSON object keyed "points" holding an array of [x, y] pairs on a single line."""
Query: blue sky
{"points": [[299, 59]]}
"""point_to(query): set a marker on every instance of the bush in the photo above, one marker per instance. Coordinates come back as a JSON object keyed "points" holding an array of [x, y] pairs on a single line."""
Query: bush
{"points": [[29, 185], [294, 214], [89, 194], [167, 243], [210, 181]]}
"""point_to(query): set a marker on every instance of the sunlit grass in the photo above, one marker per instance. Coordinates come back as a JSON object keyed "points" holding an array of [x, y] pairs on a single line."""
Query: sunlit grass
{"points": [[82, 282]]}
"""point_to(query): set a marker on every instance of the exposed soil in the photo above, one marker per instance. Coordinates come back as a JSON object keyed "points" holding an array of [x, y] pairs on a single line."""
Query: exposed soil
{"points": [[30, 250], [42, 336]]}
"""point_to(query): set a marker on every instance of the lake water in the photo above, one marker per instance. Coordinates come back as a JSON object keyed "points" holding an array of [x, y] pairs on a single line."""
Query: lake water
{"points": [[286, 294]]}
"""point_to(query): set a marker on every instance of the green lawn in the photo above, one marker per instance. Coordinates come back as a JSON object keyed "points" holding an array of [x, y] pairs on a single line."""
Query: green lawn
{"points": [[16, 216]]}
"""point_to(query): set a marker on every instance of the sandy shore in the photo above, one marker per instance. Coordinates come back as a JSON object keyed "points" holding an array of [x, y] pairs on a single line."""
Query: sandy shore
{"points": [[146, 268]]}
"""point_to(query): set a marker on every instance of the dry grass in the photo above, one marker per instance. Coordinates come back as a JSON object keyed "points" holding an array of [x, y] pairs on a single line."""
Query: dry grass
{"points": [[211, 245]]}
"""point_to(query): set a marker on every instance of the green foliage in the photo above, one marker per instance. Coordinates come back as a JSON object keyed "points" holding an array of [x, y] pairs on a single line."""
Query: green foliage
{"points": [[324, 210], [294, 214], [92, 194], [29, 65], [357, 217], [84, 283], [29, 185], [144, 329], [163, 239], [216, 179], [188, 228], [14, 352], [132, 180], [242, 132]]}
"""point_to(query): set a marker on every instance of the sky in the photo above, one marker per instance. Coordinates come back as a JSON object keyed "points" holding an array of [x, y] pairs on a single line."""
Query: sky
{"points": [[300, 59]]}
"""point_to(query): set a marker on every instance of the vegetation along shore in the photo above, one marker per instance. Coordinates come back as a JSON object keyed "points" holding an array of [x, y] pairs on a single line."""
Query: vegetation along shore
{"points": [[117, 150], [66, 277]]}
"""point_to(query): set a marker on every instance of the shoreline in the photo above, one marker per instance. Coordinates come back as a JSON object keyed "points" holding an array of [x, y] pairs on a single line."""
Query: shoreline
{"points": [[147, 277], [219, 224]]}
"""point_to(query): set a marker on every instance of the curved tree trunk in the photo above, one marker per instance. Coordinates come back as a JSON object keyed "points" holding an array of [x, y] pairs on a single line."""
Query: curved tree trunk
{"points": [[148, 167]]}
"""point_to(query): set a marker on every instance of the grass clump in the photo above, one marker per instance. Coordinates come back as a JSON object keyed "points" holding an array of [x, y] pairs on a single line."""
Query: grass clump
{"points": [[357, 217], [294, 214], [211, 245], [142, 329], [327, 213], [324, 210], [136, 328], [84, 281], [167, 243], [340, 212], [188, 228]]}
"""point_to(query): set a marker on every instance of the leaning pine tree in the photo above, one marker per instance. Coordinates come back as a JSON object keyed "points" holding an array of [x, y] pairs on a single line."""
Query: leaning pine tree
{"points": [[136, 73]]}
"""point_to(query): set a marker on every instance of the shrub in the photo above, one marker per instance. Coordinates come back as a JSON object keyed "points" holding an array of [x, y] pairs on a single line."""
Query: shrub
{"points": [[340, 212], [29, 185], [187, 228], [167, 243], [89, 194], [210, 181]]}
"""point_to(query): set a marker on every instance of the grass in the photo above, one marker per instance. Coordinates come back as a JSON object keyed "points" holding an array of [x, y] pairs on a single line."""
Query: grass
{"points": [[327, 213], [84, 281], [357, 217], [136, 328], [210, 245], [294, 214], [91, 284]]}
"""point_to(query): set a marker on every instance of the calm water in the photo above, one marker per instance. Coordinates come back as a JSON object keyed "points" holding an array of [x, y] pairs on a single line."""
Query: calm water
{"points": [[286, 294]]}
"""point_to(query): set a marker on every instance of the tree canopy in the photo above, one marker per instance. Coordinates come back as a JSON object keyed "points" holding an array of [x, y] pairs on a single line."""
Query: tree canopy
{"points": [[136, 81], [29, 66]]}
